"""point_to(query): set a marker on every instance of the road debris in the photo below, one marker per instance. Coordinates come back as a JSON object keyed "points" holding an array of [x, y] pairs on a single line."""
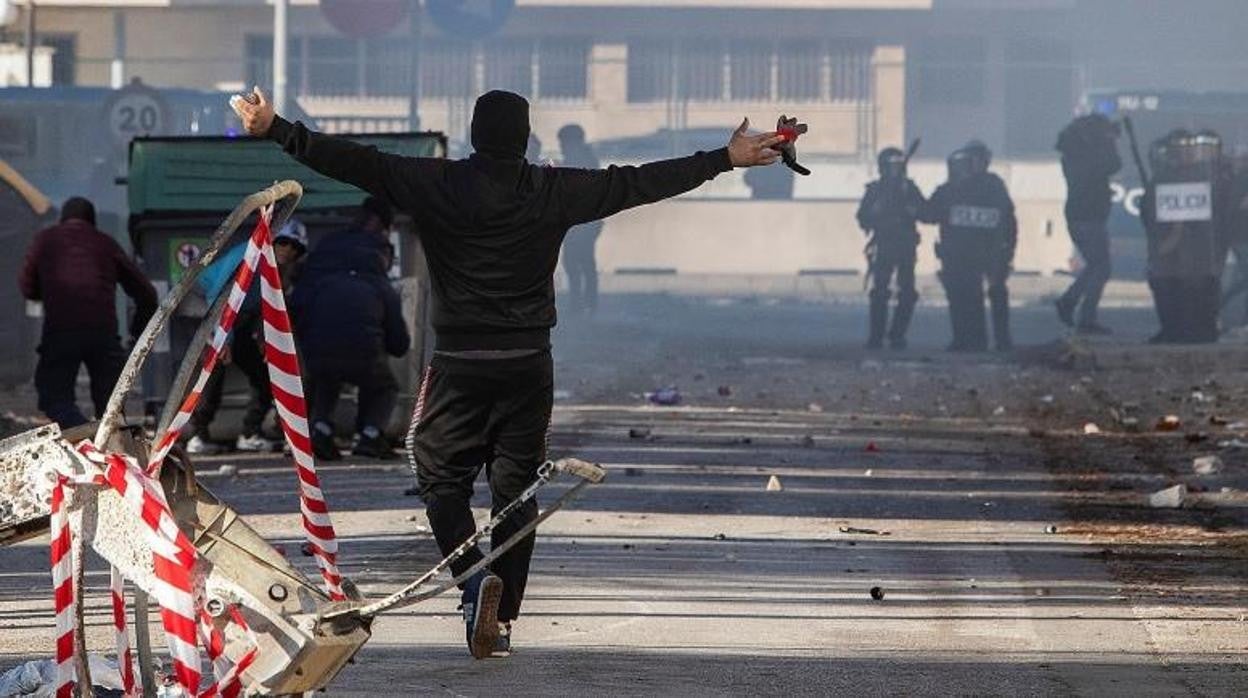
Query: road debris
{"points": [[1170, 422], [666, 397], [773, 484], [1169, 498], [638, 432], [633, 472], [1091, 429], [808, 441], [1050, 529], [1207, 465], [872, 447], [724, 390], [877, 593], [227, 470], [864, 531]]}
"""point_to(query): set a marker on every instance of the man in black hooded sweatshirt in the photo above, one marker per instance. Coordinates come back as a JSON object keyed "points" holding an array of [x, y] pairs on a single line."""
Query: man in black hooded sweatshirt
{"points": [[491, 226]]}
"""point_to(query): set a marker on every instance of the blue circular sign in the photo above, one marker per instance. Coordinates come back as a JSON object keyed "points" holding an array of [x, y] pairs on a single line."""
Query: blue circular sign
{"points": [[470, 19]]}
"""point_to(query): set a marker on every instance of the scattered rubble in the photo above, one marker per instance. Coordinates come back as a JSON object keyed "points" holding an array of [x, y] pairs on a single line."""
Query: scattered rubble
{"points": [[864, 531], [1169, 498], [877, 593], [1091, 429], [1207, 465], [773, 484], [666, 397], [638, 432], [1170, 422]]}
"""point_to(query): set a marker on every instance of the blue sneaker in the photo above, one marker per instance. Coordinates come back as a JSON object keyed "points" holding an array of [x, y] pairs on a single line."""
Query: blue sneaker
{"points": [[480, 605]]}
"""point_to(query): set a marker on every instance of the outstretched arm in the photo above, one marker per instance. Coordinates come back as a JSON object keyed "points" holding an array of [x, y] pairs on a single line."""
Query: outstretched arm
{"points": [[588, 195], [396, 178]]}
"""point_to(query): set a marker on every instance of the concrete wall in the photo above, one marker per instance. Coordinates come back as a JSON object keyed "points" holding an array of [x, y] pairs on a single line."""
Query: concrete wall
{"points": [[784, 238]]}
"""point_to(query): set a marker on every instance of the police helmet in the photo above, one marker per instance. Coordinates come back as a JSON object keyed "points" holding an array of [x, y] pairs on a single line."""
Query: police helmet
{"points": [[961, 165], [980, 154], [891, 163]]}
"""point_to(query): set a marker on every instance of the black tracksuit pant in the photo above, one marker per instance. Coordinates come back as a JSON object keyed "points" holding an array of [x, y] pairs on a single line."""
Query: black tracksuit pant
{"points": [[61, 352], [375, 401], [483, 412]]}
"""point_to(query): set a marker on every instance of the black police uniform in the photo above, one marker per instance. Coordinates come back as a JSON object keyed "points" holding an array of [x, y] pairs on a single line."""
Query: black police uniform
{"points": [[978, 235], [888, 212], [1186, 218]]}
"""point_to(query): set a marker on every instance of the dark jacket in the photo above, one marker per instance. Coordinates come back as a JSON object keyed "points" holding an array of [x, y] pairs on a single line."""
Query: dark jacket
{"points": [[344, 307], [976, 216], [889, 209], [1089, 158], [491, 228], [75, 269]]}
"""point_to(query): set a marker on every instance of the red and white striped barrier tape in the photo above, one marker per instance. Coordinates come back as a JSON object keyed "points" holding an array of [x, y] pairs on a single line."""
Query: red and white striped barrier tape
{"points": [[173, 558], [173, 554], [62, 590], [125, 665], [286, 382], [287, 386], [228, 682]]}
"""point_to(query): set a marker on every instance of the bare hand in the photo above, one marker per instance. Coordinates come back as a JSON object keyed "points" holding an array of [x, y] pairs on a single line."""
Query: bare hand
{"points": [[255, 111], [745, 150]]}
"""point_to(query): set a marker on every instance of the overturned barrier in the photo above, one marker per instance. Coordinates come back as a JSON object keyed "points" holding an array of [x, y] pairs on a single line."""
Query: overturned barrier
{"points": [[265, 628]]}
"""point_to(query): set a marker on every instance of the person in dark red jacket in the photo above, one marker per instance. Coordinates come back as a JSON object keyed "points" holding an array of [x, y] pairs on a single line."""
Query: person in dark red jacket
{"points": [[491, 226], [74, 269]]}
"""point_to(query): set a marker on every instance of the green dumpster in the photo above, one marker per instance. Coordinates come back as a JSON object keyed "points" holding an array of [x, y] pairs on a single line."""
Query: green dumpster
{"points": [[180, 188]]}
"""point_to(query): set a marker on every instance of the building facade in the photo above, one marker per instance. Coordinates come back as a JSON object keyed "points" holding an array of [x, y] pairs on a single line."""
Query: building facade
{"points": [[870, 72]]}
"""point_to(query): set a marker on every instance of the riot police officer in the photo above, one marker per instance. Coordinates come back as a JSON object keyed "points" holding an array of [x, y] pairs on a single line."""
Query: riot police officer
{"points": [[1183, 217], [1089, 158], [978, 235], [887, 213]]}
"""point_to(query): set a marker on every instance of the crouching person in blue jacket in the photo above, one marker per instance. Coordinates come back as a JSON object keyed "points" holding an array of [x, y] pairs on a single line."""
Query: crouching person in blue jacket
{"points": [[348, 319]]}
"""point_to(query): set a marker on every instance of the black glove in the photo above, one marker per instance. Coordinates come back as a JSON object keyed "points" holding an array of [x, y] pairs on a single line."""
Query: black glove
{"points": [[790, 130]]}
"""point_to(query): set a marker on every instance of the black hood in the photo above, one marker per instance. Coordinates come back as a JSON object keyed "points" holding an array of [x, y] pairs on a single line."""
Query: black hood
{"points": [[500, 125]]}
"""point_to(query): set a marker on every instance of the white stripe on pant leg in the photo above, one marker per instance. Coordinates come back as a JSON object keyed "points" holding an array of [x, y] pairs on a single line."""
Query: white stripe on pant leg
{"points": [[418, 413]]}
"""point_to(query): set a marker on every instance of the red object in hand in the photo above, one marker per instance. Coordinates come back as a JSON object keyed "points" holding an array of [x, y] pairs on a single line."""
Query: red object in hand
{"points": [[788, 130]]}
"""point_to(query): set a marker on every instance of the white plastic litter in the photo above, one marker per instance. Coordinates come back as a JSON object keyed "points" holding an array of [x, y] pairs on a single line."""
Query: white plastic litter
{"points": [[35, 678], [1169, 498], [1207, 465]]}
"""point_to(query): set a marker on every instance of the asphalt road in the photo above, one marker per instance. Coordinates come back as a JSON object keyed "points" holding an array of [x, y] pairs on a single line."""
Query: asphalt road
{"points": [[681, 575]]}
